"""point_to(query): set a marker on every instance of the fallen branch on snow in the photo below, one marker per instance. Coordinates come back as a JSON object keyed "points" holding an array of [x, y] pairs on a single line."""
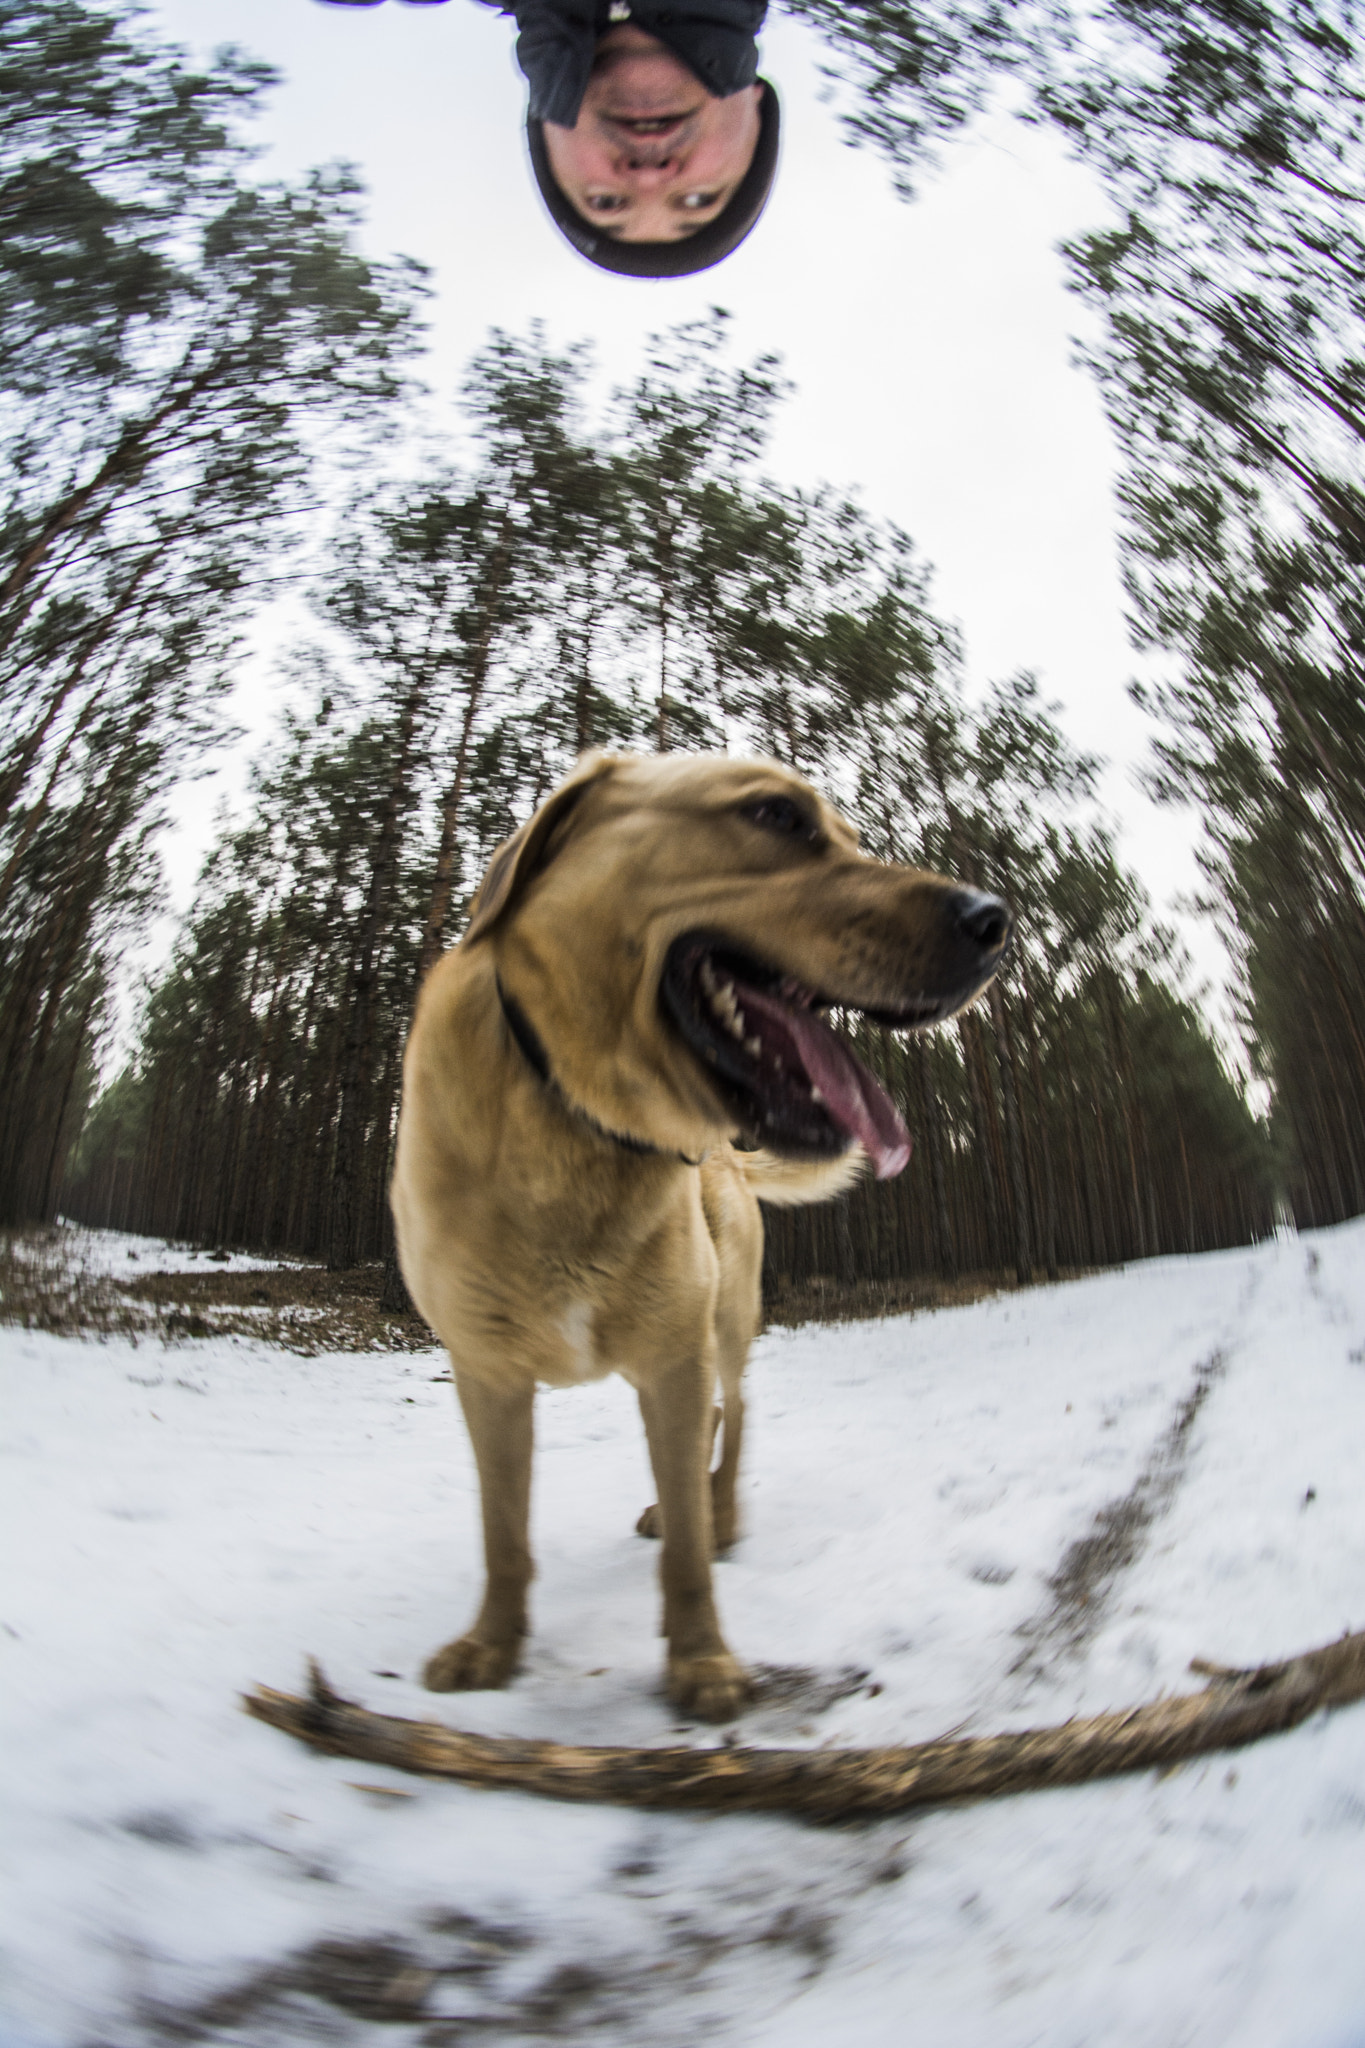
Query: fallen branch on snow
{"points": [[1236, 1707]]}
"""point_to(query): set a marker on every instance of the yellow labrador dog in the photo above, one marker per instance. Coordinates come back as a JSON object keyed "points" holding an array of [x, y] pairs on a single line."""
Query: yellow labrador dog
{"points": [[640, 994]]}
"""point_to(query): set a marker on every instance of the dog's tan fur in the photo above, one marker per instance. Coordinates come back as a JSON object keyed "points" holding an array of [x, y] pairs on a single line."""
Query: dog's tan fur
{"points": [[554, 1230]]}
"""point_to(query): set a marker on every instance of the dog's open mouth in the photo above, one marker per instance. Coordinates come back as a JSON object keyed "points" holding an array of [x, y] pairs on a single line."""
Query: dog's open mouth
{"points": [[792, 1081]]}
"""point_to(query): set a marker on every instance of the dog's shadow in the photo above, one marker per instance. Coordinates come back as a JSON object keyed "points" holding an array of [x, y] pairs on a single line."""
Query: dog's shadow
{"points": [[552, 1698], [789, 1698]]}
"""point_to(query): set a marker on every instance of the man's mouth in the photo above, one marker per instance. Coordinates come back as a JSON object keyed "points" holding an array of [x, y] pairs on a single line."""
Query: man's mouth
{"points": [[790, 1079], [642, 126]]}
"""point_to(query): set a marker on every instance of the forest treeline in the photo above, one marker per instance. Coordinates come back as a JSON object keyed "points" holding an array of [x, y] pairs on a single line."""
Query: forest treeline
{"points": [[1229, 137], [193, 359], [176, 344], [634, 581]]}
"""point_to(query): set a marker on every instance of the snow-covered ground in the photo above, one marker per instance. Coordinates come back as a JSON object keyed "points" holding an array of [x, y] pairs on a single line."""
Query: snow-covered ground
{"points": [[117, 1253], [1038, 1506]]}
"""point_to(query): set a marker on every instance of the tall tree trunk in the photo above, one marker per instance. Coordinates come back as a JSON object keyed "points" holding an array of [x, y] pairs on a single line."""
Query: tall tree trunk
{"points": [[945, 1245], [1014, 1137], [438, 903], [987, 1134], [1048, 1219], [357, 1059]]}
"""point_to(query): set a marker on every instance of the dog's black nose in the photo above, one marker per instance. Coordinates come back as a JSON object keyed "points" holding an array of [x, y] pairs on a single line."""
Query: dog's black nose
{"points": [[986, 920]]}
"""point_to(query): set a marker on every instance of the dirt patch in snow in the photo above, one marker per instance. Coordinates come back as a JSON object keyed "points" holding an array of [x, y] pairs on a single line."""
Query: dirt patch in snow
{"points": [[1085, 1578], [304, 1308], [46, 1283], [321, 1991], [825, 1300], [458, 1979]]}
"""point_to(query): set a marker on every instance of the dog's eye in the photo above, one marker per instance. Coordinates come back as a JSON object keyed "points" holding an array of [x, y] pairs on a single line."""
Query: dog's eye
{"points": [[781, 814]]}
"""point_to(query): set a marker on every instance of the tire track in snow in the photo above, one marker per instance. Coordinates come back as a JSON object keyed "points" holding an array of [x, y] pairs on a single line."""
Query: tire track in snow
{"points": [[1091, 1566]]}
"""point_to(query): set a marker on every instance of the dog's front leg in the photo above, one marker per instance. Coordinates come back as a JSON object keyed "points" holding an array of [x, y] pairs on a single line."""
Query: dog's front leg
{"points": [[499, 1418], [675, 1402]]}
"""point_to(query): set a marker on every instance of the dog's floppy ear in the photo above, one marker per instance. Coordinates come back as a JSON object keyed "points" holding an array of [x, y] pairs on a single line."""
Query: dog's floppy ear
{"points": [[517, 859]]}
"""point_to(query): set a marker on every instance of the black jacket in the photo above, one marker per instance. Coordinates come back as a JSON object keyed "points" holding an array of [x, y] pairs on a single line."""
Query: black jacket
{"points": [[714, 39]]}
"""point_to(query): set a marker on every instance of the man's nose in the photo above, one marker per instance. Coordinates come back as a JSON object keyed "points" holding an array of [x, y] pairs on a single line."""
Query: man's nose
{"points": [[646, 169]]}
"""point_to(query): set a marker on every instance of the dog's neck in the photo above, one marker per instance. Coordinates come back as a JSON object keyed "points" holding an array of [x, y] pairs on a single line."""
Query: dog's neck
{"points": [[533, 1051]]}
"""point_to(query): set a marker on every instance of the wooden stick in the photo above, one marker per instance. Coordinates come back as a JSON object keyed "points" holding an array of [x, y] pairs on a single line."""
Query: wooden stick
{"points": [[1237, 1707]]}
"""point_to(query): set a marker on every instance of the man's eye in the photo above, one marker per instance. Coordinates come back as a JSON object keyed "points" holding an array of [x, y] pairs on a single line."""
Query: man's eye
{"points": [[606, 202], [695, 202], [782, 815]]}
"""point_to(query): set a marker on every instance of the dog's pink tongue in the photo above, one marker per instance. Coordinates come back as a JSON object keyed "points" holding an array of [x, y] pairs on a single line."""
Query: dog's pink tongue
{"points": [[855, 1100]]}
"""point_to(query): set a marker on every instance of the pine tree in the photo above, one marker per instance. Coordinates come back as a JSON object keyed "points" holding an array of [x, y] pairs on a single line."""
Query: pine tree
{"points": [[1227, 136], [174, 339]]}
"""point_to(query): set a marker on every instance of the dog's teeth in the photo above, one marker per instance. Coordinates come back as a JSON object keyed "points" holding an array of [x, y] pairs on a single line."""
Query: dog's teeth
{"points": [[724, 1006], [708, 977], [816, 1096]]}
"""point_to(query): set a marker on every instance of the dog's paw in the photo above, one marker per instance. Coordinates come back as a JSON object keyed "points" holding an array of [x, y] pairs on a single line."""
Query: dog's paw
{"points": [[712, 1688], [651, 1523], [467, 1665]]}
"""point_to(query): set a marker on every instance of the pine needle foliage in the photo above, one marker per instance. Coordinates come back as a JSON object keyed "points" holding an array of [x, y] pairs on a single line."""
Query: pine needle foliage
{"points": [[176, 341], [1227, 138]]}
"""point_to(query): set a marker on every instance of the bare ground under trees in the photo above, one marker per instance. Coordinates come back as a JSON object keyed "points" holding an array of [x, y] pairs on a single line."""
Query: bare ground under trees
{"points": [[48, 1281]]}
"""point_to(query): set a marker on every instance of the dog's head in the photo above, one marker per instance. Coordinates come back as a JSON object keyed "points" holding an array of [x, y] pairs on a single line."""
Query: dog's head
{"points": [[674, 927]]}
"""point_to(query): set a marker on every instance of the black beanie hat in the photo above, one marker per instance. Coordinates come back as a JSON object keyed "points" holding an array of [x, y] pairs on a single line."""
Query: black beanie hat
{"points": [[667, 259]]}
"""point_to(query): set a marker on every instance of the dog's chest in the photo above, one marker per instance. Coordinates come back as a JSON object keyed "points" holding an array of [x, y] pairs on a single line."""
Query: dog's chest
{"points": [[574, 1353], [576, 1328]]}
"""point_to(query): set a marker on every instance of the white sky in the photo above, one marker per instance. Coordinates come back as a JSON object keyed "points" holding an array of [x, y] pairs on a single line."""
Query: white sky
{"points": [[930, 344]]}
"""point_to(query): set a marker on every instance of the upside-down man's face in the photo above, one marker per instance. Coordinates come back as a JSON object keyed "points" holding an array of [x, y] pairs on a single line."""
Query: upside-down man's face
{"points": [[653, 156]]}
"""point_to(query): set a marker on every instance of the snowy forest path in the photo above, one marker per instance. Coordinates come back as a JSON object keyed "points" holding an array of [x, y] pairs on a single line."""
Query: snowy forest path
{"points": [[1089, 1571], [192, 1517]]}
